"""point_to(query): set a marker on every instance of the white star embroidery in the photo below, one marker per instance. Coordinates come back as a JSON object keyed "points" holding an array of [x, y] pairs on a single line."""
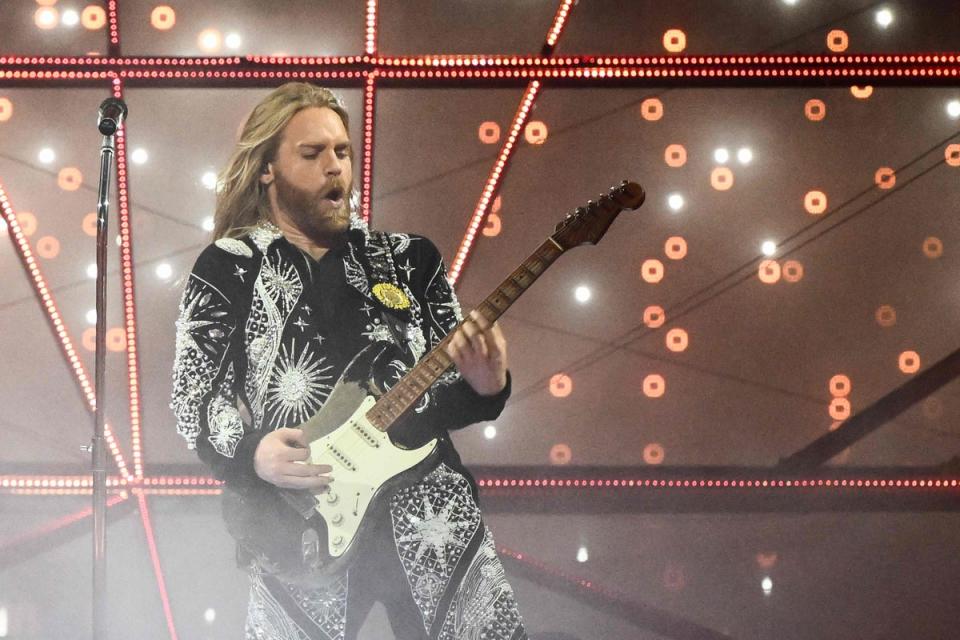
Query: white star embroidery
{"points": [[300, 323], [366, 308], [407, 268], [239, 271], [434, 531], [318, 338], [307, 308]]}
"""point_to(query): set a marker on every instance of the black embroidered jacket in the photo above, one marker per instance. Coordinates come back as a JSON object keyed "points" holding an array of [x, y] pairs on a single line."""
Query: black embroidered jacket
{"points": [[265, 331]]}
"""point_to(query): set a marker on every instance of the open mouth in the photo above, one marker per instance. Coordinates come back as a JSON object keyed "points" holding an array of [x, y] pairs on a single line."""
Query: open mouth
{"points": [[335, 195]]}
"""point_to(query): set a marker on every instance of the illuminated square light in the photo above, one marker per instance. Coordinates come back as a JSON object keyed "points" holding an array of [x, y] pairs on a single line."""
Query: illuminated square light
{"points": [[70, 18], [139, 156], [582, 294], [884, 17], [92, 270], [675, 201], [582, 554], [46, 155], [209, 180], [209, 40], [164, 271], [769, 247], [721, 155], [953, 109], [490, 432], [46, 18], [744, 155], [233, 41], [207, 223]]}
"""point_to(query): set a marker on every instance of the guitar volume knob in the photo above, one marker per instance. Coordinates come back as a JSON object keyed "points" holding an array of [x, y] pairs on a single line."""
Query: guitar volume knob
{"points": [[337, 518], [332, 498]]}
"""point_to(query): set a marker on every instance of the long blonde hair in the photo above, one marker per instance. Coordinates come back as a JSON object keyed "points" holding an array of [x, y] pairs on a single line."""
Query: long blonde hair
{"points": [[241, 198]]}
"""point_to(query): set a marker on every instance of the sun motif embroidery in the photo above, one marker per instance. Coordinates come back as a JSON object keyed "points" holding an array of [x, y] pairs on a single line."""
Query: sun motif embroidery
{"points": [[391, 295], [298, 385]]}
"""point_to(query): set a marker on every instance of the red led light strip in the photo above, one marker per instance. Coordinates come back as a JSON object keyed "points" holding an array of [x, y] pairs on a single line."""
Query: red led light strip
{"points": [[559, 22], [493, 181], [155, 559], [370, 41], [647, 483], [506, 152], [22, 247], [369, 104], [129, 292], [113, 20]]}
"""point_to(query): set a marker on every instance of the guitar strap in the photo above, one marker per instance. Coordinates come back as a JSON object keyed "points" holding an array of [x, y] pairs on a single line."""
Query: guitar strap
{"points": [[383, 270]]}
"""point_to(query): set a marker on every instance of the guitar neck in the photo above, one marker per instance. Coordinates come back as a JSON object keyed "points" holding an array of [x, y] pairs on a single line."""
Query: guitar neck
{"points": [[409, 389]]}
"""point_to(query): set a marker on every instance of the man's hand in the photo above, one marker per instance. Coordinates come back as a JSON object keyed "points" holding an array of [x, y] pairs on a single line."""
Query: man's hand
{"points": [[281, 459], [479, 350]]}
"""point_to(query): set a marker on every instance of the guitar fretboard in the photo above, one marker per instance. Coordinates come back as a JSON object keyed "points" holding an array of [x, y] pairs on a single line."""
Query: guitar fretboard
{"points": [[408, 390]]}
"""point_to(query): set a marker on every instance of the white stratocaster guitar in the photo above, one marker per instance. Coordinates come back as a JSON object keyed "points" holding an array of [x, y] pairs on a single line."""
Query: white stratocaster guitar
{"points": [[351, 431]]}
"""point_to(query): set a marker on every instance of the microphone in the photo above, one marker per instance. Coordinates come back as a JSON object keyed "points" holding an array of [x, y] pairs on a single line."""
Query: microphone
{"points": [[111, 115]]}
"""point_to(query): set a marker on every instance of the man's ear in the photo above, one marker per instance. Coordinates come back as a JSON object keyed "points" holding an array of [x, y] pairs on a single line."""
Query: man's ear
{"points": [[266, 174]]}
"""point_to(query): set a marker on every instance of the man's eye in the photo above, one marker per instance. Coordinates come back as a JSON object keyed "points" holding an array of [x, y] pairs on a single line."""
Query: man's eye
{"points": [[310, 156]]}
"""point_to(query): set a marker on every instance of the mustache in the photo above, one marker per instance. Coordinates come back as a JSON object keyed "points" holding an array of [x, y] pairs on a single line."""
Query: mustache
{"points": [[336, 187]]}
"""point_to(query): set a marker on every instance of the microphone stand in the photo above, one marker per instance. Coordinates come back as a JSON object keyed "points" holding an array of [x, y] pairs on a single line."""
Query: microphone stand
{"points": [[99, 457]]}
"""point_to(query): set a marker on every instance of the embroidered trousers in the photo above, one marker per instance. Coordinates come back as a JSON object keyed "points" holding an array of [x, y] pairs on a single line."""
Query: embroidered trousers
{"points": [[432, 563]]}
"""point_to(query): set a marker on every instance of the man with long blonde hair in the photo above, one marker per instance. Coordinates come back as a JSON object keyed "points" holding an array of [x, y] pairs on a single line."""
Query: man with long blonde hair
{"points": [[293, 287]]}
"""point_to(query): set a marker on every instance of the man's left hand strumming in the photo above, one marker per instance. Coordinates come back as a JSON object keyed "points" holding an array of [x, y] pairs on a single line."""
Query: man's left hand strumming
{"points": [[479, 350]]}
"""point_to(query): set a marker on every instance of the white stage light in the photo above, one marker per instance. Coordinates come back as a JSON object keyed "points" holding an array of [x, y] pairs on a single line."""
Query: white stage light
{"points": [[490, 432], [139, 156], [582, 555], [675, 201], [953, 108], [769, 247], [92, 316], [70, 18], [745, 155], [92, 270], [164, 271], [46, 155], [233, 41], [582, 294], [767, 585], [209, 180], [884, 18], [721, 155], [207, 223]]}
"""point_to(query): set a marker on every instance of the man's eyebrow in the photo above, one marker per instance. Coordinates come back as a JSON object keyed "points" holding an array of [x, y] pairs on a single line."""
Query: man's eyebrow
{"points": [[323, 144]]}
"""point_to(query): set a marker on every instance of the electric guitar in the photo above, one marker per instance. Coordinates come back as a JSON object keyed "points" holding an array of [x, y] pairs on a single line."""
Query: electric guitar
{"points": [[351, 431]]}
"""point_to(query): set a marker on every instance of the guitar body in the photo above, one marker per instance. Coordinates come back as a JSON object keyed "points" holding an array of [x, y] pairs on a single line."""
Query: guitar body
{"points": [[368, 467]]}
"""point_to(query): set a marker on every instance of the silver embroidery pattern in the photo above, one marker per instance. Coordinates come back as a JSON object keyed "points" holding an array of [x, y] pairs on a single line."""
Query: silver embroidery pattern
{"points": [[263, 332], [299, 386], [282, 283], [223, 418], [264, 234], [356, 276], [484, 606], [400, 242], [433, 522], [203, 332], [235, 247], [266, 619], [377, 330]]}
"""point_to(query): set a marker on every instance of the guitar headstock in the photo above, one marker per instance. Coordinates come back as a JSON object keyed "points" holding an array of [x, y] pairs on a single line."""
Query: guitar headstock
{"points": [[588, 224]]}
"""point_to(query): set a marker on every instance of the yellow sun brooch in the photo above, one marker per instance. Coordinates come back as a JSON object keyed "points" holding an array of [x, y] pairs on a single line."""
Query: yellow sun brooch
{"points": [[390, 295]]}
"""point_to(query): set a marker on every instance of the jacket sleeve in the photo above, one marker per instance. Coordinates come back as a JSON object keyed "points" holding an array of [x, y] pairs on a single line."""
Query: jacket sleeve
{"points": [[453, 403], [208, 369]]}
